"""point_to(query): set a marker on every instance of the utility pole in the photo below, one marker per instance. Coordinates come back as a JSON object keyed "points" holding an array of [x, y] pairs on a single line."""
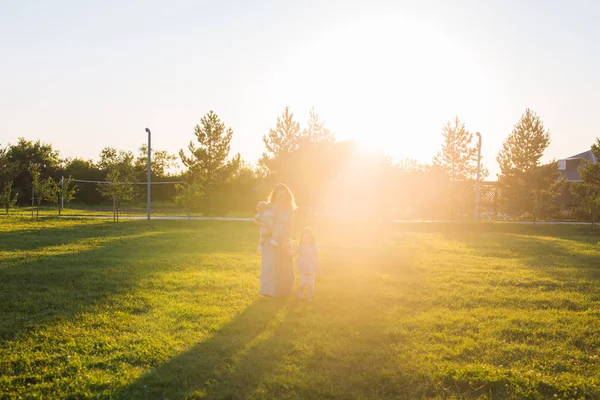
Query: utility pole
{"points": [[476, 215], [149, 171], [62, 191]]}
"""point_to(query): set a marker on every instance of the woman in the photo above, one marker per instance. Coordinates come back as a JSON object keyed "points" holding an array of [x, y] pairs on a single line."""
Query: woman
{"points": [[277, 267]]}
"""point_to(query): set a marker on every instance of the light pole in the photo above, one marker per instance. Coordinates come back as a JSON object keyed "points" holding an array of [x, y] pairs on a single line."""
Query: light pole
{"points": [[478, 176], [149, 171]]}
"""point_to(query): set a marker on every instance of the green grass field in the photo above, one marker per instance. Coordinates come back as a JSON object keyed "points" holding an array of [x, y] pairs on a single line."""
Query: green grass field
{"points": [[158, 210], [169, 309]]}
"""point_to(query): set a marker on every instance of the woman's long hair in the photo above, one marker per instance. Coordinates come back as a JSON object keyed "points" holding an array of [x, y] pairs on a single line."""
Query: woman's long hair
{"points": [[289, 200]]}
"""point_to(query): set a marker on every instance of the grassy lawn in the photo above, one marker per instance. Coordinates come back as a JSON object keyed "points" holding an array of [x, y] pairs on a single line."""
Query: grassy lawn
{"points": [[169, 309]]}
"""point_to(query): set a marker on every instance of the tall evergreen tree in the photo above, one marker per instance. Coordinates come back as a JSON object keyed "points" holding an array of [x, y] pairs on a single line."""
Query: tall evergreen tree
{"points": [[316, 132], [281, 142], [457, 162], [527, 186], [209, 162], [458, 156]]}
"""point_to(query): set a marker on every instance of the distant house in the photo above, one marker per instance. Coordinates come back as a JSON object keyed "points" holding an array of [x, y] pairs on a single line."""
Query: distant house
{"points": [[569, 167]]}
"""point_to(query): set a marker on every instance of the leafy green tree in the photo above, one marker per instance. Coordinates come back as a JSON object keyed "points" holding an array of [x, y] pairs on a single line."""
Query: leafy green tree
{"points": [[43, 190], [162, 163], [245, 189], [525, 185], [26, 153], [120, 178], [117, 191], [587, 193], [587, 197], [85, 170], [6, 168], [8, 201], [209, 163], [112, 160], [63, 191], [51, 190], [188, 195]]}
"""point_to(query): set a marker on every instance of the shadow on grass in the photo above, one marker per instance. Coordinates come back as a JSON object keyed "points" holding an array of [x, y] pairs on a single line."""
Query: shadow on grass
{"points": [[333, 348], [211, 369], [42, 290], [49, 287]]}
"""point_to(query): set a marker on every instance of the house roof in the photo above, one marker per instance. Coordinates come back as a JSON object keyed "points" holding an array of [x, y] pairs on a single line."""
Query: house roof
{"points": [[586, 155]]}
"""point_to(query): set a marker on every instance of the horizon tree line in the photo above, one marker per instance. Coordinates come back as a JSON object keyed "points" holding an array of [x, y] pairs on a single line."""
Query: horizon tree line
{"points": [[321, 170]]}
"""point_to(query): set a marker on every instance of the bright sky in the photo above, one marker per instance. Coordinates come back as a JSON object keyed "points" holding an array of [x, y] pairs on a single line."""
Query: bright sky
{"points": [[88, 74]]}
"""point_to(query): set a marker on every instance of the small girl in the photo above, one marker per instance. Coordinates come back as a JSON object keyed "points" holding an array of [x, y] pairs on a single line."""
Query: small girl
{"points": [[308, 263]]}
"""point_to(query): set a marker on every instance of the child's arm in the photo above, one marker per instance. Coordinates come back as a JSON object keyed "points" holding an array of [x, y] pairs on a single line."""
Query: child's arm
{"points": [[261, 223], [319, 269], [294, 252]]}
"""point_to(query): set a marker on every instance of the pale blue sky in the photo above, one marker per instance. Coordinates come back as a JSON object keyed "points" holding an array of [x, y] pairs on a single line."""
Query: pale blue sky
{"points": [[88, 74]]}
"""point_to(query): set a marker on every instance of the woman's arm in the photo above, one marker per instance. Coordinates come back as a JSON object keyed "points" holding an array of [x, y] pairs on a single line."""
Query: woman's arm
{"points": [[291, 223]]}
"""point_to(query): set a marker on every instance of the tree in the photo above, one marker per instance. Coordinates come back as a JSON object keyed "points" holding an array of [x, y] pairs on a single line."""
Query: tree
{"points": [[587, 193], [527, 186], [209, 162], [122, 161], [7, 200], [458, 156], [245, 189], [162, 161], [316, 131], [120, 175], [26, 153], [117, 191], [6, 167], [280, 142], [188, 195], [61, 192], [457, 161], [42, 189], [587, 197], [85, 170]]}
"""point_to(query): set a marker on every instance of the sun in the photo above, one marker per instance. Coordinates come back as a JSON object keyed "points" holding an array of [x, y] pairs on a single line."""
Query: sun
{"points": [[387, 82]]}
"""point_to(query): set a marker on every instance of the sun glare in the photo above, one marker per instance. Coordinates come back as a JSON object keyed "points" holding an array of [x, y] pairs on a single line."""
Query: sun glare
{"points": [[388, 83]]}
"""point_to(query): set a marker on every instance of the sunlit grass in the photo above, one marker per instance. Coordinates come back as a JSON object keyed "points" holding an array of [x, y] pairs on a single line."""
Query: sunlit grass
{"points": [[169, 309], [168, 210]]}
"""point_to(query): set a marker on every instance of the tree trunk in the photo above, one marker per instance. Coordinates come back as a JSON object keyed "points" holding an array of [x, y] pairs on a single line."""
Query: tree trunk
{"points": [[593, 219], [114, 209]]}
